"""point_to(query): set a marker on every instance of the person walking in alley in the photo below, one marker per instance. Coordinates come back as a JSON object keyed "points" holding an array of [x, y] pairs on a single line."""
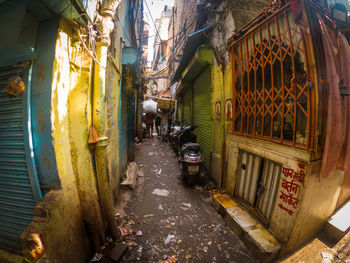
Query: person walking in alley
{"points": [[158, 120], [149, 123]]}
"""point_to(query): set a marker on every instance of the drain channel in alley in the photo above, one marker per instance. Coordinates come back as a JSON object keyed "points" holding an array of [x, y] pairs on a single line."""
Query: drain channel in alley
{"points": [[164, 220]]}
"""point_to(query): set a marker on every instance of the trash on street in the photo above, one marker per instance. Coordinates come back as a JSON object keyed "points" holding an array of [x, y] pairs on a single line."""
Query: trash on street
{"points": [[185, 206], [124, 231], [168, 239], [160, 192]]}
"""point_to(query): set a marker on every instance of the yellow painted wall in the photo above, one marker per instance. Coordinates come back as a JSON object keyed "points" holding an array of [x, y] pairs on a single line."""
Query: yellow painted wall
{"points": [[71, 216], [112, 97], [69, 114], [222, 90], [217, 96]]}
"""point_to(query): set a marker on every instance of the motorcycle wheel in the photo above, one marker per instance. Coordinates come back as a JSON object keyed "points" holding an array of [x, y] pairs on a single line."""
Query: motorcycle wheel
{"points": [[191, 180]]}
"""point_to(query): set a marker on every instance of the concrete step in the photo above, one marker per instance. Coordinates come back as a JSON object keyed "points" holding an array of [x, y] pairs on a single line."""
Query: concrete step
{"points": [[260, 241], [130, 176], [339, 223]]}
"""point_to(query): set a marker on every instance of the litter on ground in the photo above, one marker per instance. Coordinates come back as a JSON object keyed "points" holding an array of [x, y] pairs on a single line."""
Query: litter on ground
{"points": [[160, 192]]}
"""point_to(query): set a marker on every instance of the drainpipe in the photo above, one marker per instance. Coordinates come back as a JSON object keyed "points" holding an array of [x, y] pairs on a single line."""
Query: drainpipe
{"points": [[105, 25]]}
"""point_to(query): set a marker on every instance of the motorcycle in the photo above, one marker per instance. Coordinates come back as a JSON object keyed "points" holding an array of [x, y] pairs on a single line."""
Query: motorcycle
{"points": [[174, 132], [190, 155]]}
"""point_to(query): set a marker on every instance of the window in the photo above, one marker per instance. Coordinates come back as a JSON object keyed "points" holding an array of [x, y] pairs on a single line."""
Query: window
{"points": [[257, 183], [272, 82]]}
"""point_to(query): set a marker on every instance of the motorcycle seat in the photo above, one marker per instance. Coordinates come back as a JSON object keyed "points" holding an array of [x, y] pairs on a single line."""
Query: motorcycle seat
{"points": [[191, 147]]}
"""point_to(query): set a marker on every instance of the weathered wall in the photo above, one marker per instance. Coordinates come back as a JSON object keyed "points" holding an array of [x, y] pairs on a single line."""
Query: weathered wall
{"points": [[112, 97], [69, 218], [41, 105], [281, 222], [218, 123], [18, 32], [345, 190], [316, 199], [64, 82], [59, 223], [317, 206]]}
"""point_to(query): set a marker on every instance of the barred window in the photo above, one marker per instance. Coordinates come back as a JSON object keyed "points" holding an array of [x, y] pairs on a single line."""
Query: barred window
{"points": [[272, 83]]}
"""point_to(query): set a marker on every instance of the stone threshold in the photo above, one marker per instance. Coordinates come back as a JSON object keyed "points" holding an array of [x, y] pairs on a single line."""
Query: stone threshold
{"points": [[256, 237]]}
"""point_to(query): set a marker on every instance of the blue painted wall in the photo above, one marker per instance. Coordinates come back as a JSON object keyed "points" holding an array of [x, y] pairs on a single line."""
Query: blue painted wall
{"points": [[24, 38], [41, 104], [18, 30]]}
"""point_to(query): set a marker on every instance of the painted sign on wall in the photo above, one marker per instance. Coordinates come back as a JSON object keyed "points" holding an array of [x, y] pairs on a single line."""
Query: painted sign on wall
{"points": [[291, 183]]}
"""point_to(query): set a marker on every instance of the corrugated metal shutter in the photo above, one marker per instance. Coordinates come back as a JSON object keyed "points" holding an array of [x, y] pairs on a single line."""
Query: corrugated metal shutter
{"points": [[123, 127], [180, 109], [18, 189], [131, 126], [187, 106], [269, 183], [257, 182], [202, 113]]}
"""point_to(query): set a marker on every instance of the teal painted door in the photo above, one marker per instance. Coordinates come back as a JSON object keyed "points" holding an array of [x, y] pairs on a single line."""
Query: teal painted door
{"points": [[202, 113], [19, 187]]}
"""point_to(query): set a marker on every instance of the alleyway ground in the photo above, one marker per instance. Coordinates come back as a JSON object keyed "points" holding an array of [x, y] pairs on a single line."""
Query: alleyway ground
{"points": [[190, 234]]}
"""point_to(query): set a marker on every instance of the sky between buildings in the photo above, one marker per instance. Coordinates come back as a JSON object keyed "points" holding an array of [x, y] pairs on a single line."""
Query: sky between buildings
{"points": [[156, 7]]}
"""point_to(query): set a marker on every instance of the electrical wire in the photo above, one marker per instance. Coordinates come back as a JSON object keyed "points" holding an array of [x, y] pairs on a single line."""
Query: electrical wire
{"points": [[154, 24]]}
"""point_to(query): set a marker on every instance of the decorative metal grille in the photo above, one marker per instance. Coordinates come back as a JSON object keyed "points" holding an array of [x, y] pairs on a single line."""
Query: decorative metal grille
{"points": [[272, 82]]}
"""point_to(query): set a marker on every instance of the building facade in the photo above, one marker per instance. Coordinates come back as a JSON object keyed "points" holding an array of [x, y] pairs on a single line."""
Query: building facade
{"points": [[258, 76], [61, 161]]}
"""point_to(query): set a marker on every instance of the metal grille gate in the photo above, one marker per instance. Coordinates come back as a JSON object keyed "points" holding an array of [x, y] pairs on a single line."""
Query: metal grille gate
{"points": [[19, 190], [257, 182]]}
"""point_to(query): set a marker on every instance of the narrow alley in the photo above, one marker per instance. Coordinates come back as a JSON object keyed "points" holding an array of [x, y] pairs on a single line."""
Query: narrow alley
{"points": [[187, 131], [179, 222]]}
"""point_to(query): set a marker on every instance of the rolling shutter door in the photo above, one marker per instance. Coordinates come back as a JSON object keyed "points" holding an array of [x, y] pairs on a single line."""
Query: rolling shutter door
{"points": [[202, 113], [123, 127], [131, 126], [180, 109], [187, 100], [19, 189]]}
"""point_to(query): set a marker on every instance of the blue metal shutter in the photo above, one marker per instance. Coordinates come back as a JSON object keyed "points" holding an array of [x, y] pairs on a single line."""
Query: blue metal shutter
{"points": [[123, 126], [202, 113], [131, 125], [19, 189]]}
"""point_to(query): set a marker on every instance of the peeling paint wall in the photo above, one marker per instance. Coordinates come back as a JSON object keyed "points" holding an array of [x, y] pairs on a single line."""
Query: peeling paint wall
{"points": [[73, 156], [112, 96], [41, 105], [70, 217], [317, 206]]}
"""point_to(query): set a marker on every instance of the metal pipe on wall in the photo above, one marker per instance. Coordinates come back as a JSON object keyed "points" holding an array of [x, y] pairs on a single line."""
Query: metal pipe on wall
{"points": [[106, 26]]}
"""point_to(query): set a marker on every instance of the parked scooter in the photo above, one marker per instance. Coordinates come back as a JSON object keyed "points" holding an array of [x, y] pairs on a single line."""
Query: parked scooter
{"points": [[185, 135], [190, 155]]}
